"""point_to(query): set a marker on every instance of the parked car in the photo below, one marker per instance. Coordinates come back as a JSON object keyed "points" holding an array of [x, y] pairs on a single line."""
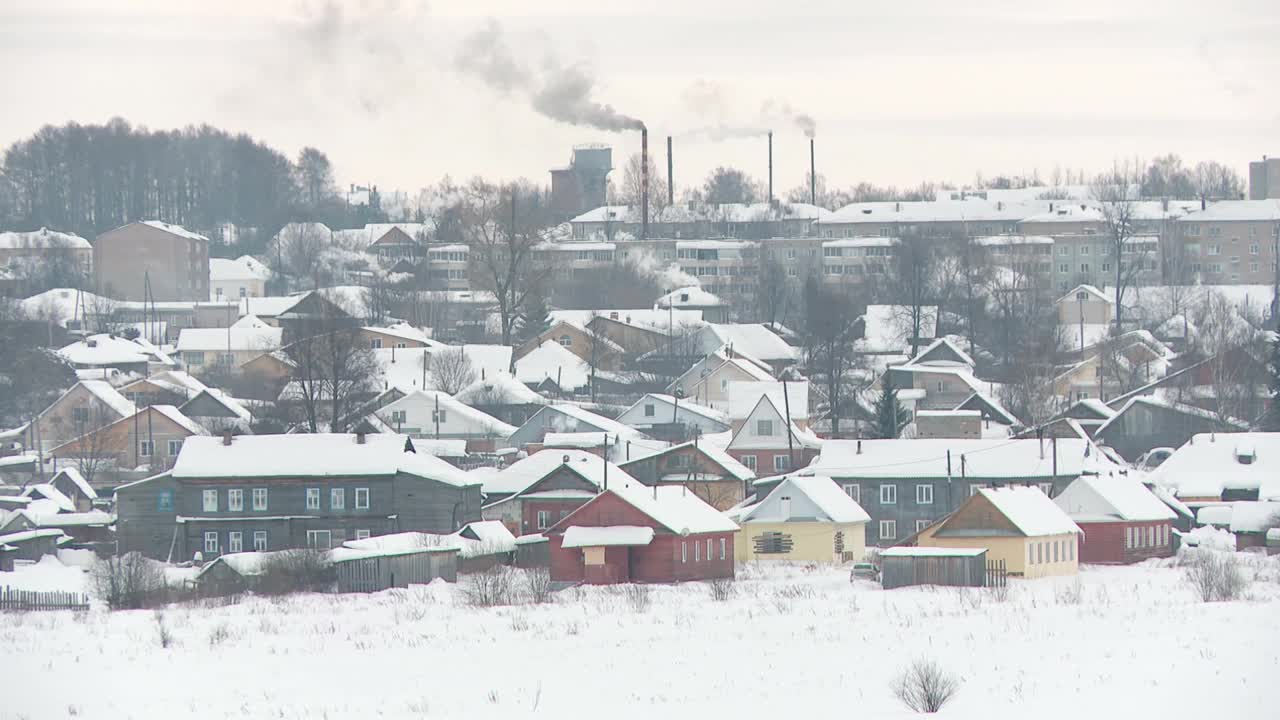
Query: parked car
{"points": [[865, 571]]}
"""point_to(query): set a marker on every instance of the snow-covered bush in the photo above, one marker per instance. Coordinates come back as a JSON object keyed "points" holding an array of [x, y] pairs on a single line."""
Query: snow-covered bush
{"points": [[1072, 594], [163, 634], [1216, 576], [491, 588], [128, 582], [637, 596], [290, 571], [721, 589], [925, 687], [537, 585]]}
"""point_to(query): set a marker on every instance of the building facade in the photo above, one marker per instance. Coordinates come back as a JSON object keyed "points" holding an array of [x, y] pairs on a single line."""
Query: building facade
{"points": [[169, 261]]}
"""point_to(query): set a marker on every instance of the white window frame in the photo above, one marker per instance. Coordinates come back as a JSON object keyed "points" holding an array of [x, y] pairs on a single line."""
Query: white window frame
{"points": [[235, 500], [259, 540], [921, 525], [146, 448], [337, 498], [313, 498], [362, 492], [764, 428], [235, 541], [313, 537], [209, 501], [362, 534], [697, 551], [781, 463], [211, 542], [924, 494], [260, 494], [722, 549], [749, 461], [175, 446], [856, 488], [888, 494], [888, 529], [544, 519], [684, 552]]}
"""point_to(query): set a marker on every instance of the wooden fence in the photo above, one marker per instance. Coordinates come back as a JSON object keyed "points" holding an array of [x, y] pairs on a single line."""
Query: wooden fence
{"points": [[11, 599], [997, 575]]}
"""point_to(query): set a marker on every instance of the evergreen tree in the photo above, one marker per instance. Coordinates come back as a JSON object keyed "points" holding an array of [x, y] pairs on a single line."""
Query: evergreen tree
{"points": [[536, 319], [1271, 421], [889, 413]]}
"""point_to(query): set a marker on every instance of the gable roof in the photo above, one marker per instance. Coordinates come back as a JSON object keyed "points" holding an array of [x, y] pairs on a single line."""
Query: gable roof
{"points": [[102, 390], [834, 504], [987, 459], [988, 405], [310, 455], [429, 398], [938, 346], [743, 439], [1182, 408], [1209, 462], [73, 474], [1030, 510], [244, 267], [552, 361], [232, 405], [1091, 498], [499, 389], [1091, 290], [523, 473], [714, 453], [232, 339], [684, 405], [674, 507], [106, 349], [753, 339], [744, 396]]}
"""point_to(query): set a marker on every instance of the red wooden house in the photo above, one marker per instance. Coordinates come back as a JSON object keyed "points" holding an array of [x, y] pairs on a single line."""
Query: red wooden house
{"points": [[634, 533], [1122, 521], [534, 493]]}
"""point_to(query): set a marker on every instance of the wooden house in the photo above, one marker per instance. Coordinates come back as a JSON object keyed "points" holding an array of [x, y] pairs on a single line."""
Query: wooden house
{"points": [[805, 518], [33, 544], [1120, 520], [86, 406], [151, 437], [232, 573], [634, 533], [536, 492], [669, 417], [502, 396], [72, 484], [1216, 467], [435, 414], [707, 381], [765, 438], [1017, 525], [706, 469], [218, 412]]}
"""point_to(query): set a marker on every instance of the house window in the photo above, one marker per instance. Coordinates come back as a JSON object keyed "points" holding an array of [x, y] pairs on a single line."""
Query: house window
{"points": [[924, 494], [235, 541], [80, 414], [764, 427], [259, 498], [888, 494], [362, 498], [566, 341], [193, 358], [781, 463], [1031, 554], [235, 500], [313, 498], [362, 534], [544, 519], [697, 551], [211, 543], [375, 343], [1046, 488], [853, 491], [439, 416], [210, 500], [722, 552], [399, 417], [145, 447], [749, 461], [260, 540], [164, 501], [1039, 553], [888, 529], [649, 410], [1084, 267], [1071, 549], [1055, 551], [337, 498], [921, 525], [319, 539], [684, 551]]}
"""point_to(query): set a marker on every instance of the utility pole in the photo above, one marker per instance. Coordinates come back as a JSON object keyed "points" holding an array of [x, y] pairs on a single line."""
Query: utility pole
{"points": [[786, 422]]}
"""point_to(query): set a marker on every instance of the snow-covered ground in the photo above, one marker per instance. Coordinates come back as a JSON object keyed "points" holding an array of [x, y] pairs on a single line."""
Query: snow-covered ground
{"points": [[1122, 642]]}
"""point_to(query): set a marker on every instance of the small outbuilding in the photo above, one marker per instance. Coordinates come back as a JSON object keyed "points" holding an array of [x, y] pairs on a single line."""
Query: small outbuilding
{"points": [[388, 561], [958, 567]]}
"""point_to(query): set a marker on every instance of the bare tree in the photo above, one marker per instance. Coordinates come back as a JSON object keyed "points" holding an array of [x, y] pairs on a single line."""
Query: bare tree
{"points": [[333, 371], [451, 369], [829, 331], [92, 453], [296, 250], [1113, 191], [774, 293], [633, 186], [502, 226], [913, 287], [1215, 181], [1030, 394]]}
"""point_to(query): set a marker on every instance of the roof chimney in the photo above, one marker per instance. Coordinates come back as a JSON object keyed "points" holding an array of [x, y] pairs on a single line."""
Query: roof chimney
{"points": [[859, 446], [226, 437], [360, 438]]}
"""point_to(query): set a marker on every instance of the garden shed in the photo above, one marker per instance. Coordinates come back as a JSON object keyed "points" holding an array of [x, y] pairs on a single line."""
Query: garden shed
{"points": [[959, 567]]}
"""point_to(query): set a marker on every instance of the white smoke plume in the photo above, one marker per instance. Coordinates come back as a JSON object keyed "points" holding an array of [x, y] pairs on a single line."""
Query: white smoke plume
{"points": [[561, 92], [710, 101]]}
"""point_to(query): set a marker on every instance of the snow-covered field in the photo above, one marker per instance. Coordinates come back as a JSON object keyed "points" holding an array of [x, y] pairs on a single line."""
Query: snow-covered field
{"points": [[1122, 642]]}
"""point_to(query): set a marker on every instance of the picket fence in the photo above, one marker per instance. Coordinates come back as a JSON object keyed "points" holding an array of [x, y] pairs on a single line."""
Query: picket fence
{"points": [[11, 599]]}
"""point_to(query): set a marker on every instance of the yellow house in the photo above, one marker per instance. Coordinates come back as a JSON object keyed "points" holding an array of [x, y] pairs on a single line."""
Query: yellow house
{"points": [[1019, 525], [805, 518]]}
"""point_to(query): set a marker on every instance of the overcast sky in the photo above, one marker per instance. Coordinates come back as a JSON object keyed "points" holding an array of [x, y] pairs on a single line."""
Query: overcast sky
{"points": [[904, 92]]}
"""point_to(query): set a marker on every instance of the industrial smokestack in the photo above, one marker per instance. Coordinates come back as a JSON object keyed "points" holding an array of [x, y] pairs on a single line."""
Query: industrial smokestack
{"points": [[770, 167], [644, 182], [813, 176], [671, 185]]}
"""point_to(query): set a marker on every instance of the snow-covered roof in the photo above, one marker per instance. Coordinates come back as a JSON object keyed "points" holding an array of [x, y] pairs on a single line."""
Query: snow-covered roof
{"points": [[1254, 517], [176, 381], [244, 267], [499, 389], [78, 480], [246, 564], [1209, 462], [525, 472], [1229, 210], [1091, 498], [41, 239], [752, 339], [269, 306], [684, 406], [552, 361], [26, 535], [48, 492], [832, 503], [675, 508], [730, 212], [745, 395], [1030, 510], [479, 421], [967, 210], [175, 415], [943, 342], [686, 297], [1067, 213], [442, 447], [67, 519], [713, 451], [405, 331], [659, 320], [175, 230], [578, 416], [606, 536], [310, 455], [104, 349], [406, 543], [988, 459], [1090, 290], [887, 328], [250, 321], [492, 532], [229, 339], [103, 391], [931, 552], [994, 240], [1185, 409], [231, 404]]}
